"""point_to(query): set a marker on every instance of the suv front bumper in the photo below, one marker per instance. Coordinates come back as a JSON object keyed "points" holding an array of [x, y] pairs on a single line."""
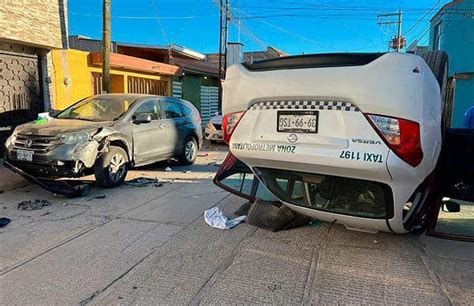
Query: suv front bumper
{"points": [[69, 160]]}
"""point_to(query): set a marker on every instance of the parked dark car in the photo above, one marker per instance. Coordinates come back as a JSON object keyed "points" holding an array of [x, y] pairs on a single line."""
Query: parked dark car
{"points": [[106, 135]]}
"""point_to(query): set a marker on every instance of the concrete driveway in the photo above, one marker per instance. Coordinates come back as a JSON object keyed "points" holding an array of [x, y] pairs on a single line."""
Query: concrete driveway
{"points": [[149, 245]]}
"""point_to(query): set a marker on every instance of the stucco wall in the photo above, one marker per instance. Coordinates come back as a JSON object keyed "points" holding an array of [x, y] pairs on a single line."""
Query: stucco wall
{"points": [[71, 77], [41, 23], [72, 66]]}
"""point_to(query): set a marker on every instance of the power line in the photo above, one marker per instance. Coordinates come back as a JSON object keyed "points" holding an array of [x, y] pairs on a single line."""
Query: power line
{"points": [[146, 17], [280, 29], [352, 9], [155, 11], [311, 16], [421, 19]]}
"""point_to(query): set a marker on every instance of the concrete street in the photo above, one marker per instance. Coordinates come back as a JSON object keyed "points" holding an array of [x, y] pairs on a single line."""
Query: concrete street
{"points": [[150, 245]]}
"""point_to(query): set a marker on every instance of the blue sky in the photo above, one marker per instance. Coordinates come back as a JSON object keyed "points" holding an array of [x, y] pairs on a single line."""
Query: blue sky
{"points": [[294, 26]]}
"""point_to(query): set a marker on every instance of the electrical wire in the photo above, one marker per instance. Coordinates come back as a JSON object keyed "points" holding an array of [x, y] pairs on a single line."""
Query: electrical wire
{"points": [[155, 11], [421, 19]]}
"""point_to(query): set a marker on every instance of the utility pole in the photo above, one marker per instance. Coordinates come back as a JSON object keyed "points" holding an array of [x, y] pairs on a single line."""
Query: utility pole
{"points": [[399, 34], [106, 46], [398, 42], [223, 37]]}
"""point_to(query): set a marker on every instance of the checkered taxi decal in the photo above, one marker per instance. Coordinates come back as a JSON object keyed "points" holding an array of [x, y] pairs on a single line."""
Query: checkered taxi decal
{"points": [[309, 105]]}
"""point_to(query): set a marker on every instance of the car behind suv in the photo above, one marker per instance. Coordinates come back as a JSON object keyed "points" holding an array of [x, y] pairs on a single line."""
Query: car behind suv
{"points": [[105, 135]]}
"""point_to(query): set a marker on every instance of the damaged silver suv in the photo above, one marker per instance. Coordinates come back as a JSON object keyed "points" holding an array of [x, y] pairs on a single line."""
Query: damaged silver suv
{"points": [[105, 135]]}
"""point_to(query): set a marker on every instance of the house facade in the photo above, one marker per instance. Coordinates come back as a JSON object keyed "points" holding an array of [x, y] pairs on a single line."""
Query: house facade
{"points": [[77, 74], [452, 30], [199, 81], [25, 58]]}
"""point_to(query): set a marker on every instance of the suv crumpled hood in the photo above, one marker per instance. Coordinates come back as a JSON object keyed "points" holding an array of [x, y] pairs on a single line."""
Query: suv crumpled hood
{"points": [[54, 127]]}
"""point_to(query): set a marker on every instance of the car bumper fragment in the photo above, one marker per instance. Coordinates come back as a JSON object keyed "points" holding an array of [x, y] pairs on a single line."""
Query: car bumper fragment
{"points": [[55, 186]]}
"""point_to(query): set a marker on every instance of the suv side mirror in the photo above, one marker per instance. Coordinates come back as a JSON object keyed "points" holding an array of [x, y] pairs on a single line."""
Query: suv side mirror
{"points": [[142, 118]]}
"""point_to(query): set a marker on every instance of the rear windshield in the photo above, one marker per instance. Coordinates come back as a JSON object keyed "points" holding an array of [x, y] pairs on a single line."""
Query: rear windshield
{"points": [[334, 194], [314, 61]]}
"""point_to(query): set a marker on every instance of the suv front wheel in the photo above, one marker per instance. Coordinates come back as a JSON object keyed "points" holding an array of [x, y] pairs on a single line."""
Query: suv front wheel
{"points": [[111, 167]]}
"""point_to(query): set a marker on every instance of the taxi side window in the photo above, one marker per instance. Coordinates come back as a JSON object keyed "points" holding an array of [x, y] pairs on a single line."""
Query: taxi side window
{"points": [[151, 108], [171, 109]]}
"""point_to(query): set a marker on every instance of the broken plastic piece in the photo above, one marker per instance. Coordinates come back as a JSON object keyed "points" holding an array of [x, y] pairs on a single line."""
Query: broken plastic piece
{"points": [[142, 181], [167, 169], [70, 189], [33, 205], [4, 222]]}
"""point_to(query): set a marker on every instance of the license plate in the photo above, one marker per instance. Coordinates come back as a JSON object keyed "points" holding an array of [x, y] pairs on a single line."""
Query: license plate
{"points": [[298, 121], [24, 155]]}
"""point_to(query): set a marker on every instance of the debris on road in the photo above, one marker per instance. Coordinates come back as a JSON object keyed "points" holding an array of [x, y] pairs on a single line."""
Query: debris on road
{"points": [[159, 184], [142, 182], [4, 222], [70, 189], [33, 205], [187, 171], [99, 196], [168, 169], [203, 154], [214, 217]]}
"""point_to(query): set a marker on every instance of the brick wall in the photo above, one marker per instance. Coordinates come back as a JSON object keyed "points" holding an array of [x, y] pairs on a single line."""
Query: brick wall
{"points": [[41, 23]]}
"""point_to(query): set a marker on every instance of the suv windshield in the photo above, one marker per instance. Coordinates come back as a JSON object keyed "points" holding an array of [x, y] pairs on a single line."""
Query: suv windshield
{"points": [[98, 108]]}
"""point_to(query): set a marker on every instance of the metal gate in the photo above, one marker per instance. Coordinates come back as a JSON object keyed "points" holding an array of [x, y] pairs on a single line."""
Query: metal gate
{"points": [[20, 91], [177, 89], [147, 86], [209, 103]]}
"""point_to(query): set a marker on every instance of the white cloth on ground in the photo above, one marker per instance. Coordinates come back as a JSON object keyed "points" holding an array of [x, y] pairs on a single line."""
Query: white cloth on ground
{"points": [[216, 218]]}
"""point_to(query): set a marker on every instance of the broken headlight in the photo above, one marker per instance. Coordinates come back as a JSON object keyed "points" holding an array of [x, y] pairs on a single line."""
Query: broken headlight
{"points": [[74, 138], [11, 140]]}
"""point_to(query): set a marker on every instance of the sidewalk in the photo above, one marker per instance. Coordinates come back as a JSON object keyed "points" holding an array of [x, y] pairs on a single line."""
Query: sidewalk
{"points": [[9, 179]]}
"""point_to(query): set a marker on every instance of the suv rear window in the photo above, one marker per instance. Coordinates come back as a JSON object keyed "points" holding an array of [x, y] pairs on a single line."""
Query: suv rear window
{"points": [[185, 110], [334, 194]]}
